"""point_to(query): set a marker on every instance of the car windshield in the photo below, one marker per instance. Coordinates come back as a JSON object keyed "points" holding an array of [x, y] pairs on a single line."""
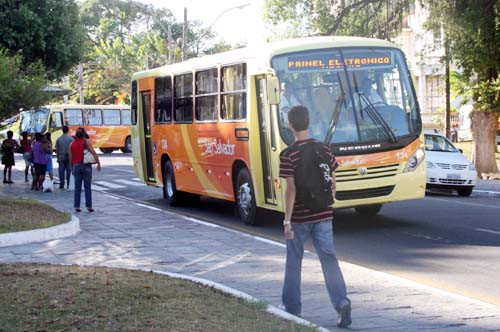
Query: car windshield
{"points": [[34, 121], [439, 144], [369, 98]]}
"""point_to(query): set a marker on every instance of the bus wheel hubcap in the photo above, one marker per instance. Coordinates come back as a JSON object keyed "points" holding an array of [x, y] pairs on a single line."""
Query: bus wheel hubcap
{"points": [[245, 198], [170, 187]]}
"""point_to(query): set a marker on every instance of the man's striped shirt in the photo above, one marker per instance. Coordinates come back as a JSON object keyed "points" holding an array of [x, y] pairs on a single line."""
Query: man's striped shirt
{"points": [[289, 161]]}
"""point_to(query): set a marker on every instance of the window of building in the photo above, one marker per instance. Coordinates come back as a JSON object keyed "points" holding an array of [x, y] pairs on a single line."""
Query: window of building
{"points": [[206, 95], [133, 103], [111, 117], [233, 94], [126, 117], [435, 99], [163, 99], [93, 117], [73, 117], [183, 98]]}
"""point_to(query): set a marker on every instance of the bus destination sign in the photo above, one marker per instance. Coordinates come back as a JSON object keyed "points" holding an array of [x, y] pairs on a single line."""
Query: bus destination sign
{"points": [[323, 61]]}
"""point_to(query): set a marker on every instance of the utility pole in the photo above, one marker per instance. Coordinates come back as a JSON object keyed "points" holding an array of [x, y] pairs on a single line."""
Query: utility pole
{"points": [[80, 82], [447, 112], [184, 36], [169, 45]]}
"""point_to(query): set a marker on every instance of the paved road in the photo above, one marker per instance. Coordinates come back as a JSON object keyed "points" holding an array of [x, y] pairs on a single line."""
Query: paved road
{"points": [[444, 241]]}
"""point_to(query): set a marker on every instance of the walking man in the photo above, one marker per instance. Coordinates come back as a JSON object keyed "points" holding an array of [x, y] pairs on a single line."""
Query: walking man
{"points": [[62, 153], [304, 217]]}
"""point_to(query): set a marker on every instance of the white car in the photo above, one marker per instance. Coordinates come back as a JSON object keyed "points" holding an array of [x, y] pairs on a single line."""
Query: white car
{"points": [[447, 167]]}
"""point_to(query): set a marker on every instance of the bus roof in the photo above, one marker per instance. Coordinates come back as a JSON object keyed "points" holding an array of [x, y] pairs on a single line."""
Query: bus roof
{"points": [[263, 53], [59, 106]]}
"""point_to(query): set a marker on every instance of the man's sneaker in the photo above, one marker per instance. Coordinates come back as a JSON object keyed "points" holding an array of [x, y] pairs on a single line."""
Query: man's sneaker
{"points": [[344, 314]]}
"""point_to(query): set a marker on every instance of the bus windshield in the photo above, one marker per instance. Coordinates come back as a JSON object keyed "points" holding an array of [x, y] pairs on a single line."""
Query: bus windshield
{"points": [[354, 95], [34, 121]]}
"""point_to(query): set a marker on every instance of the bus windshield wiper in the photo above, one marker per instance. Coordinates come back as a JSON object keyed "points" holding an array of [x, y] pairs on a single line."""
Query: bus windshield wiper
{"points": [[335, 118], [377, 118]]}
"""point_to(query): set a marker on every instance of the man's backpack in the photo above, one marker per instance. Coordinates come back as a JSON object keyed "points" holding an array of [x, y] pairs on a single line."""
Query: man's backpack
{"points": [[313, 177]]}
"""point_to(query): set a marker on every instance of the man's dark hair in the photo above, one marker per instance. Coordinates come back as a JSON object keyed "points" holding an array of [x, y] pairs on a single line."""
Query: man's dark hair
{"points": [[65, 129], [80, 133], [24, 134], [10, 134], [39, 136], [298, 118]]}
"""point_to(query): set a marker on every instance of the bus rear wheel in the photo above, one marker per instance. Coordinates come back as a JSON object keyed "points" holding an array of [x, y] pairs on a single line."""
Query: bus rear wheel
{"points": [[107, 150], [128, 146], [368, 210], [245, 198]]}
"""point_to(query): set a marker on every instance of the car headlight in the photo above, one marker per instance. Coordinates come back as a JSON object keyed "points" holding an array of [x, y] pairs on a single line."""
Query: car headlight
{"points": [[430, 165], [415, 160], [472, 167]]}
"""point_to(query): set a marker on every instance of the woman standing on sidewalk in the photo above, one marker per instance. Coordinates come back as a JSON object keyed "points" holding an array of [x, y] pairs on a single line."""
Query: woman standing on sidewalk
{"points": [[50, 167], [27, 155], [82, 171], [9, 146], [40, 150]]}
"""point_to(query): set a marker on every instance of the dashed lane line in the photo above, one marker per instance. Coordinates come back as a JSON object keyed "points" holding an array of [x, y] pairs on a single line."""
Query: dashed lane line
{"points": [[132, 183], [110, 184], [487, 231]]}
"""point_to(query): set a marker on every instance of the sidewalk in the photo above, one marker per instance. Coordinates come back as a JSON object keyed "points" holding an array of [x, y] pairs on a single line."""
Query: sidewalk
{"points": [[123, 233], [487, 187]]}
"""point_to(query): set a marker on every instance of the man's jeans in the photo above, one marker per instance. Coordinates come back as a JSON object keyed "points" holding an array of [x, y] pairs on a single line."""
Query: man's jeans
{"points": [[322, 235], [83, 173], [64, 173]]}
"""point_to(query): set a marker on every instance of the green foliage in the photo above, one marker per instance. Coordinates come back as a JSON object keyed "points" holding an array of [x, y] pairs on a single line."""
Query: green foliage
{"points": [[472, 29], [48, 31], [20, 86], [368, 18]]}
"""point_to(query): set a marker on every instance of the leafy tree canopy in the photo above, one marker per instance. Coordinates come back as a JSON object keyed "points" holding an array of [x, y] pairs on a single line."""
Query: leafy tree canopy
{"points": [[367, 18], [50, 31]]}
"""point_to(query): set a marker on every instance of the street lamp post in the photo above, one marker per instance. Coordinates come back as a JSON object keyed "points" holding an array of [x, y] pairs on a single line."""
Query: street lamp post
{"points": [[207, 30]]}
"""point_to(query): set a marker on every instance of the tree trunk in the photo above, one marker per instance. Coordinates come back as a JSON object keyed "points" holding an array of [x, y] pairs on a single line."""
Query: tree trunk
{"points": [[483, 127]]}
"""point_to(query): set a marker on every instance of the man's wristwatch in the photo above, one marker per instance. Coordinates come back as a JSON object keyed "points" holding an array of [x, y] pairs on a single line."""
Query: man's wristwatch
{"points": [[286, 222]]}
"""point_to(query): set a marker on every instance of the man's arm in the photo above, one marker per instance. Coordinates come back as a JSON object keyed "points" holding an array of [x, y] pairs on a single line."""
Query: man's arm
{"points": [[290, 194]]}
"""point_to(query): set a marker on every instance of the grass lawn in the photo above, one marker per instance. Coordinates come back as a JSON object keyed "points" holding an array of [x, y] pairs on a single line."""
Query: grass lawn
{"points": [[18, 214], [71, 298]]}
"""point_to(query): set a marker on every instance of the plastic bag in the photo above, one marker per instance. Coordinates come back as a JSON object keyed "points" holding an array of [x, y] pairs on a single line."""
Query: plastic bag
{"points": [[48, 185]]}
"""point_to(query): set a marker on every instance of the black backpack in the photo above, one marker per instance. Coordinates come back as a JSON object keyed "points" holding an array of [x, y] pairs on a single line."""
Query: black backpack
{"points": [[313, 177]]}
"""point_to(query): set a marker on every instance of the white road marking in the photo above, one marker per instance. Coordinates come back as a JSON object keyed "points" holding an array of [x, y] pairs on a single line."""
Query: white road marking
{"points": [[122, 170], [148, 207], [98, 188], [110, 185], [137, 179], [133, 183], [113, 197], [487, 231], [460, 202], [225, 263]]}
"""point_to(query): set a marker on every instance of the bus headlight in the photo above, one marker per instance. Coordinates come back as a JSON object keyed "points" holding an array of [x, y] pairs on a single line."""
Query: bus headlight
{"points": [[414, 160]]}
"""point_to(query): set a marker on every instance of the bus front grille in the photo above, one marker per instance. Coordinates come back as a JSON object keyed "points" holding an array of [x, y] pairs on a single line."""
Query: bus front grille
{"points": [[366, 173], [363, 193]]}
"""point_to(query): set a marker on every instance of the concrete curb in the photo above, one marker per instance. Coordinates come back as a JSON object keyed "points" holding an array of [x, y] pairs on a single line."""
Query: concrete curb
{"points": [[486, 193], [41, 235], [220, 287]]}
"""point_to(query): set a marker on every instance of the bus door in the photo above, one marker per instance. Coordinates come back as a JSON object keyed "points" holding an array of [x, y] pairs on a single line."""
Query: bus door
{"points": [[55, 125], [269, 154], [146, 117]]}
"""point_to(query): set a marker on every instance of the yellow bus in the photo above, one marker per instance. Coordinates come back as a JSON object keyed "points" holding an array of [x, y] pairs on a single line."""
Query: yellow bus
{"points": [[107, 125], [216, 125]]}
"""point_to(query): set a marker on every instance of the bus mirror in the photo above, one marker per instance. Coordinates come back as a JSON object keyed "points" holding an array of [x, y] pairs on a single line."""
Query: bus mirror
{"points": [[273, 90]]}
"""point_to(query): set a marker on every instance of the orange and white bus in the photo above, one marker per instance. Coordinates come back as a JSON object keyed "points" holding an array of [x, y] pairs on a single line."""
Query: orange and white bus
{"points": [[107, 125], [216, 125]]}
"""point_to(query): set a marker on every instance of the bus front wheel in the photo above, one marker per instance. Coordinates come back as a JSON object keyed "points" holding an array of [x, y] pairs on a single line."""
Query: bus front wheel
{"points": [[368, 210], [107, 150], [245, 198], [128, 146], [170, 192]]}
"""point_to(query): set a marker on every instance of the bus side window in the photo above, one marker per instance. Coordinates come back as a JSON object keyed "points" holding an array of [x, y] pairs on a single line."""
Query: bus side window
{"points": [[233, 94], [133, 103], [111, 117], [126, 117], [73, 117], [93, 117], [206, 95], [183, 98], [163, 99]]}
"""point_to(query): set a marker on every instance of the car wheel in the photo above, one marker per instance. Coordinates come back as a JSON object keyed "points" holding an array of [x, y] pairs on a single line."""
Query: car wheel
{"points": [[465, 191], [368, 210], [245, 198], [128, 146]]}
